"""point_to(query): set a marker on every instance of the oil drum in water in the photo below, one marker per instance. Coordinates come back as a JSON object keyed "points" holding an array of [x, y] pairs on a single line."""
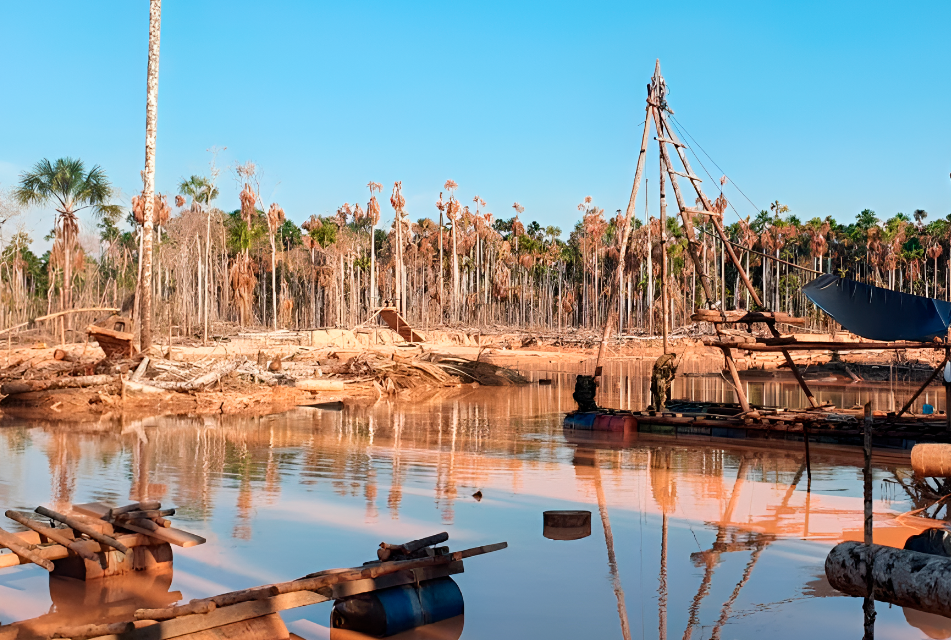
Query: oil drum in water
{"points": [[566, 525], [581, 420], [389, 611]]}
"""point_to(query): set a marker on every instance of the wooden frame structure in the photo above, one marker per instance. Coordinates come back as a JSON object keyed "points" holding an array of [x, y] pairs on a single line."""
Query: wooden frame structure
{"points": [[666, 137]]}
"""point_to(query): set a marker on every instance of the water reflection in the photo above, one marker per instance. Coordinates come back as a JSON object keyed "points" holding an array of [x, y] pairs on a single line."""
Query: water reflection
{"points": [[696, 540]]}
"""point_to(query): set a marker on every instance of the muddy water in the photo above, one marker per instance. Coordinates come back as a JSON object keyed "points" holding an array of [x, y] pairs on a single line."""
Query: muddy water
{"points": [[706, 541]]}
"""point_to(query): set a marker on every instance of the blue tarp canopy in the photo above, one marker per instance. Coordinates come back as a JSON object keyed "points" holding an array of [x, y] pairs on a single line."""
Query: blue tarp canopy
{"points": [[879, 314]]}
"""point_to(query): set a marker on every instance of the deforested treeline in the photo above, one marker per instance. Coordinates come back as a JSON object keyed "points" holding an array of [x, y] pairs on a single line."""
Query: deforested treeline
{"points": [[461, 266]]}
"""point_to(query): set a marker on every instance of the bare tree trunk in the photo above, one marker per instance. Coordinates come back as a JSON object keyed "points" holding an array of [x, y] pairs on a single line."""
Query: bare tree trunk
{"points": [[273, 281], [151, 114]]}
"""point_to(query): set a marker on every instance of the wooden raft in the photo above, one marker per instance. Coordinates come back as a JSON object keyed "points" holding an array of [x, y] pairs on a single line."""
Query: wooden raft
{"points": [[93, 528], [252, 613]]}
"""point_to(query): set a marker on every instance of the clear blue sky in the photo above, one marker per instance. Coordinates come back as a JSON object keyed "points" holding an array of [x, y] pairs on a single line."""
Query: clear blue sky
{"points": [[830, 107]]}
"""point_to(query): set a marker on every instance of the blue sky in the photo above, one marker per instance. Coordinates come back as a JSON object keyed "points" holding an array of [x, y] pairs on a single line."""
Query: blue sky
{"points": [[827, 107]]}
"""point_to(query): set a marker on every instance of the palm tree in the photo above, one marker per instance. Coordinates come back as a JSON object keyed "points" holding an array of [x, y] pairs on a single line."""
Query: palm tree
{"points": [[71, 189], [373, 212], [919, 215], [151, 115], [397, 201]]}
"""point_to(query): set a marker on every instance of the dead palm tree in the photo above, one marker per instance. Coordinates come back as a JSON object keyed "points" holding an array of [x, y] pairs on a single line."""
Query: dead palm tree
{"points": [[275, 218], [452, 211], [398, 202], [373, 212]]}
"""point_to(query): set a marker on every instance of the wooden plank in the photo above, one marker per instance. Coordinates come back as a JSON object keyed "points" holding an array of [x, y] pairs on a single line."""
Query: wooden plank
{"points": [[775, 346], [745, 317], [220, 617], [346, 589]]}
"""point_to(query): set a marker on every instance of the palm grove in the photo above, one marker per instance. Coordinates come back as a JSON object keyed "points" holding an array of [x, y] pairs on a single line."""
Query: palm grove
{"points": [[463, 266]]}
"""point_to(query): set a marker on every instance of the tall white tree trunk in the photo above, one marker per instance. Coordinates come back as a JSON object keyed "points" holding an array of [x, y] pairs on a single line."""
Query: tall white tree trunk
{"points": [[151, 116]]}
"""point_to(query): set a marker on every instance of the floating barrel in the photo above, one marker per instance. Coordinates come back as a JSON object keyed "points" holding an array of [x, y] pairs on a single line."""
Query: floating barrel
{"points": [[931, 460], [389, 611], [616, 423], [581, 420], [566, 525]]}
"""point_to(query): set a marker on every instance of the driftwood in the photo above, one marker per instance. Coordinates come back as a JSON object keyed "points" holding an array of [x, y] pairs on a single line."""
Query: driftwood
{"points": [[905, 578], [16, 545], [81, 527], [200, 382], [59, 537], [76, 382]]}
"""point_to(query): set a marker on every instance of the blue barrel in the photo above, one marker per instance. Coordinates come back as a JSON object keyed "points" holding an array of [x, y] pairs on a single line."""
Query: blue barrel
{"points": [[581, 420], [389, 611]]}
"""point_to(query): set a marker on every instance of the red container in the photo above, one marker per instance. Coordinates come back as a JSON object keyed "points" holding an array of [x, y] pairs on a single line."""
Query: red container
{"points": [[619, 424]]}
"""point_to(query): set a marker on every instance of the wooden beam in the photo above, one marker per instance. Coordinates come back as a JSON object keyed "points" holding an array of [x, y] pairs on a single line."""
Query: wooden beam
{"points": [[220, 617], [746, 317], [669, 141], [81, 527], [688, 177], [768, 345], [57, 536], [740, 394], [58, 551]]}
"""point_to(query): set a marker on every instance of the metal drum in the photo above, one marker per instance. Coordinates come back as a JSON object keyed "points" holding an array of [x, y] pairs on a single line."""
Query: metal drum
{"points": [[389, 611]]}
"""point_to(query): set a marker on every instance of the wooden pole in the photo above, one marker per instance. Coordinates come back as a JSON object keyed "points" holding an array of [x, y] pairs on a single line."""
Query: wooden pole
{"points": [[665, 303], [625, 236], [740, 394], [59, 537], [19, 548], [868, 606], [74, 524], [805, 439]]}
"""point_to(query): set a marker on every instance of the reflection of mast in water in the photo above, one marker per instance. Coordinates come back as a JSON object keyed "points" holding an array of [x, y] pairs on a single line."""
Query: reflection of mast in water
{"points": [[711, 558], [664, 490], [609, 542]]}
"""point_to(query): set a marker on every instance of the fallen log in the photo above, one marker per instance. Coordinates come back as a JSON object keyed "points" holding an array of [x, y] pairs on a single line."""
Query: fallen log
{"points": [[931, 460], [15, 545], [81, 527], [56, 536], [148, 514], [905, 578], [197, 383], [76, 382], [319, 385]]}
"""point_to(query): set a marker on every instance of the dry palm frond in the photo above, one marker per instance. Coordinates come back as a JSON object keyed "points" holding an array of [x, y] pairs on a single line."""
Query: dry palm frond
{"points": [[373, 210], [374, 186], [518, 208], [275, 218], [397, 201], [248, 199], [179, 201], [358, 214], [450, 185]]}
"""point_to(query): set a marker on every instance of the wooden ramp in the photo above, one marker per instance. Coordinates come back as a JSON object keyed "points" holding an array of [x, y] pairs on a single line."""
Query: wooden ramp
{"points": [[396, 322]]}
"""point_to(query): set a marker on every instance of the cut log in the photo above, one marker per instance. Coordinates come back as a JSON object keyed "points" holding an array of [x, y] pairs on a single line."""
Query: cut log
{"points": [[76, 382], [932, 460], [140, 370], [200, 382], [58, 552], [59, 537], [905, 578], [15, 545], [81, 527], [147, 514]]}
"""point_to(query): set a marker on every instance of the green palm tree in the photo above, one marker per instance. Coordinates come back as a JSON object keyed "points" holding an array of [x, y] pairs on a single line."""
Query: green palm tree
{"points": [[70, 189]]}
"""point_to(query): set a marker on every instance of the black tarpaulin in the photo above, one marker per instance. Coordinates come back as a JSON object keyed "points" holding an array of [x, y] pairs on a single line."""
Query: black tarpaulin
{"points": [[879, 314]]}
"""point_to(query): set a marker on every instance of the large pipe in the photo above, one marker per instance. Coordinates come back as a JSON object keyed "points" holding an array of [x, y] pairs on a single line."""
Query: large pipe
{"points": [[905, 578], [931, 460]]}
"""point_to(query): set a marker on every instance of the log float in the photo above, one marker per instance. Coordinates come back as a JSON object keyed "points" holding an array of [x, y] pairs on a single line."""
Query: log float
{"points": [[905, 578]]}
